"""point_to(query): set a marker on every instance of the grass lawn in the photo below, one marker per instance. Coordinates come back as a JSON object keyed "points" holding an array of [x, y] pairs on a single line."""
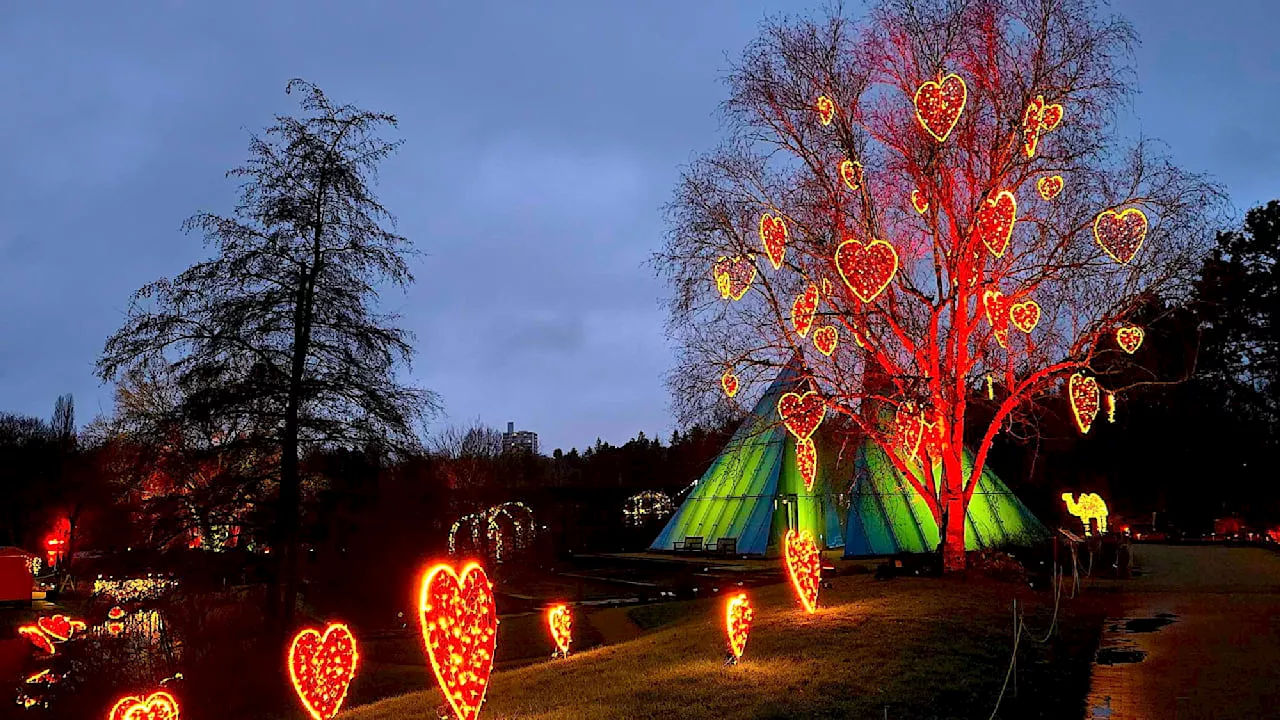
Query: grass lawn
{"points": [[906, 648]]}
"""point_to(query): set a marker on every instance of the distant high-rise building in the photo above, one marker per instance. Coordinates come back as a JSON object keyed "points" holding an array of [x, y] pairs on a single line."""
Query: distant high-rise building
{"points": [[522, 440]]}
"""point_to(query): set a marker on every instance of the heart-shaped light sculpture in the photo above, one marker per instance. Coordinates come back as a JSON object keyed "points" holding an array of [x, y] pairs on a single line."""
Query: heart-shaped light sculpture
{"points": [[156, 706], [826, 338], [804, 309], [460, 630], [1025, 315], [804, 564], [773, 236], [729, 382], [737, 623], [826, 109], [867, 268], [1129, 338], [1120, 234], [939, 105], [802, 414], [560, 625], [995, 221], [1049, 186], [1085, 398], [321, 667]]}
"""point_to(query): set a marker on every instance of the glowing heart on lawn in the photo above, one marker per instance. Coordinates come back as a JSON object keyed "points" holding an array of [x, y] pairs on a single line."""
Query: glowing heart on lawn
{"points": [[1084, 396], [157, 706], [851, 174], [804, 563], [322, 667], [460, 628], [1038, 119], [803, 310], [1049, 186], [802, 414], [866, 268], [1129, 338], [826, 109], [560, 623], [939, 104], [37, 637], [919, 202], [729, 382], [773, 236], [57, 627], [995, 306], [737, 623], [1120, 234], [115, 613], [807, 462], [908, 431], [826, 338], [733, 276], [994, 224], [1025, 315]]}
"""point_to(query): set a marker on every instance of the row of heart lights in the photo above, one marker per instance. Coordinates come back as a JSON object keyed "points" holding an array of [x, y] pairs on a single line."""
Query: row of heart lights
{"points": [[47, 632]]}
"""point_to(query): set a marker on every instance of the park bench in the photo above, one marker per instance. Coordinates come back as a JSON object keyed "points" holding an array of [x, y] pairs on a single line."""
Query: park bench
{"points": [[690, 544], [727, 547]]}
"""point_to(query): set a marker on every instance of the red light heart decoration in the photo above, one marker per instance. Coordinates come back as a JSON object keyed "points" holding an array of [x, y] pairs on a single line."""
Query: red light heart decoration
{"points": [[939, 104], [803, 310], [826, 338], [115, 627], [866, 268], [826, 109], [1038, 119], [322, 667], [1025, 315], [57, 627], [158, 706], [1120, 235], [560, 623], [729, 382], [37, 637], [737, 623], [807, 462], [115, 613], [460, 628], [804, 564], [734, 276], [802, 414], [1049, 186], [919, 202], [994, 224], [1084, 396], [773, 236], [851, 174], [995, 305], [1129, 338], [908, 431]]}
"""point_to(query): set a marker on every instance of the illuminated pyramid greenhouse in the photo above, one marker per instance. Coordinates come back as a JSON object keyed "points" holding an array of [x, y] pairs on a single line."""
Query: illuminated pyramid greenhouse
{"points": [[753, 490], [887, 516]]}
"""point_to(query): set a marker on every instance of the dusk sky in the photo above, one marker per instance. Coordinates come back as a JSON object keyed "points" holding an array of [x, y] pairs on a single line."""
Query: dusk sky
{"points": [[542, 139]]}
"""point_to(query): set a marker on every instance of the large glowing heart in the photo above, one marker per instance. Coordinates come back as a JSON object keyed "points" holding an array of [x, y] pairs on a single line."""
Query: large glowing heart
{"points": [[560, 623], [737, 623], [851, 174], [804, 564], [994, 224], [733, 276], [37, 637], [803, 310], [1084, 396], [802, 414], [460, 628], [908, 430], [1129, 338], [773, 236], [866, 268], [157, 706], [995, 306], [939, 104], [1025, 315], [807, 462], [826, 338], [826, 109], [729, 382], [919, 202], [57, 627], [1049, 186], [322, 667], [1120, 234]]}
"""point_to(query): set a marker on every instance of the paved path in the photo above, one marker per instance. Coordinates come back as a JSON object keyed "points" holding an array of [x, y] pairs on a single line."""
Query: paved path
{"points": [[1219, 658]]}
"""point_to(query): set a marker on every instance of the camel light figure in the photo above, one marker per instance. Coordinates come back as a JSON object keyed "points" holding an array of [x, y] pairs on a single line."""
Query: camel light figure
{"points": [[1090, 506]]}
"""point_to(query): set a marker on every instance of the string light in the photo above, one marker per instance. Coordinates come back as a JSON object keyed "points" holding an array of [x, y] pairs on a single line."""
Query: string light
{"points": [[995, 221], [647, 505], [1049, 186], [803, 309], [826, 109], [826, 338], [1037, 120], [729, 383], [851, 174], [460, 630], [1120, 235], [519, 516], [1025, 315], [134, 589], [1084, 396], [804, 564], [866, 268], [1090, 506], [991, 388], [994, 305], [919, 202], [37, 637], [560, 623], [1111, 407], [807, 462], [321, 668], [158, 706], [773, 236], [802, 414], [1129, 338], [939, 105], [737, 624], [733, 276]]}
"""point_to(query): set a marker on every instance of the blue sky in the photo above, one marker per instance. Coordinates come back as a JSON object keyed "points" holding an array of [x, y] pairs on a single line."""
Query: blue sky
{"points": [[541, 141]]}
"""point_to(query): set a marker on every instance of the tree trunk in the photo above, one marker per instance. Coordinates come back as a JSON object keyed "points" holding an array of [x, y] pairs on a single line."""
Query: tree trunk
{"points": [[952, 533]]}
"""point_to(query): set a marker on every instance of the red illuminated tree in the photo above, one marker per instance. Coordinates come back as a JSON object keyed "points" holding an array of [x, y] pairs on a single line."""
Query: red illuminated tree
{"points": [[914, 181]]}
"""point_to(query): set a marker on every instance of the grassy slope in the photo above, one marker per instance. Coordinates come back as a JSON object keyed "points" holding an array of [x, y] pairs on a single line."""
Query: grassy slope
{"points": [[924, 648]]}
